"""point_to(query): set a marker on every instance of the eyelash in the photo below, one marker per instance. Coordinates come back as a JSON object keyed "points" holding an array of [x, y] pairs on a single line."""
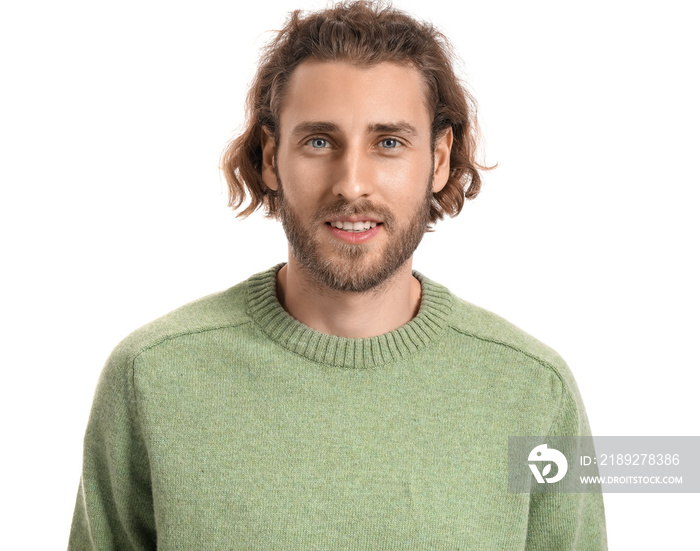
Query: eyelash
{"points": [[312, 140], [397, 142]]}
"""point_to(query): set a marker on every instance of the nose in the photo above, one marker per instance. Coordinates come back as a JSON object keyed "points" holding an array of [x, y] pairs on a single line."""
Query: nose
{"points": [[353, 179]]}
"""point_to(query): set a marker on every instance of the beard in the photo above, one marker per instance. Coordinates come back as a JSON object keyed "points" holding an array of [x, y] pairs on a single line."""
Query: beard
{"points": [[350, 268]]}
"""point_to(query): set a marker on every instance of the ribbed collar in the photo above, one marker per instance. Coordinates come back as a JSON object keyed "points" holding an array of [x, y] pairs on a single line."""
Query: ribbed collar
{"points": [[271, 317]]}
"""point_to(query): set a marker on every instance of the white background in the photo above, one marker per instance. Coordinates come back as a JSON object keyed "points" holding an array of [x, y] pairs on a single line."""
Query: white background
{"points": [[112, 119]]}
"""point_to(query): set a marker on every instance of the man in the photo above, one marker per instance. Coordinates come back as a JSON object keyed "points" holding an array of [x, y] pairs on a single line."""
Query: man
{"points": [[338, 401]]}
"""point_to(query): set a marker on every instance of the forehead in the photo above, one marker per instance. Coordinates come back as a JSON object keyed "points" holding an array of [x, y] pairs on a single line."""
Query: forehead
{"points": [[352, 96]]}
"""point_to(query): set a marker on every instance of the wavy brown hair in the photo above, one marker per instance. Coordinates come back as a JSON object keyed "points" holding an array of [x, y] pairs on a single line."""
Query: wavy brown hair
{"points": [[363, 33]]}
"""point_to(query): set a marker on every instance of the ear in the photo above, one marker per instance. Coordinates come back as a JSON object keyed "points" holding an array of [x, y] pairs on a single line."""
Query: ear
{"points": [[267, 141], [441, 160]]}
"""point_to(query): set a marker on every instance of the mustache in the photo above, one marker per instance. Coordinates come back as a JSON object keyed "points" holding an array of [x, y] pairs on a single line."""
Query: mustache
{"points": [[364, 207]]}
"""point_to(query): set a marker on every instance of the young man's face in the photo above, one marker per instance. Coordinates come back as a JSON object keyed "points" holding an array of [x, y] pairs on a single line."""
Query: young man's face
{"points": [[354, 151]]}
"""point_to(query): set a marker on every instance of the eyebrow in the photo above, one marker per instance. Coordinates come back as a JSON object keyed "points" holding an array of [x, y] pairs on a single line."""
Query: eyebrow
{"points": [[393, 128], [311, 127]]}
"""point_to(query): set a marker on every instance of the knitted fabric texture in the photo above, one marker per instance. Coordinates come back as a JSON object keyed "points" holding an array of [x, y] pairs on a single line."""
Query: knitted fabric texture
{"points": [[227, 424]]}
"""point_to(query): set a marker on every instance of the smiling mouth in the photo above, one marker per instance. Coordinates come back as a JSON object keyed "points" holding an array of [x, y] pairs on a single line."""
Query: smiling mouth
{"points": [[353, 227]]}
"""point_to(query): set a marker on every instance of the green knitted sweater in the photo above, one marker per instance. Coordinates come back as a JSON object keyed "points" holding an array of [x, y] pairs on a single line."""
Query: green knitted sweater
{"points": [[227, 424]]}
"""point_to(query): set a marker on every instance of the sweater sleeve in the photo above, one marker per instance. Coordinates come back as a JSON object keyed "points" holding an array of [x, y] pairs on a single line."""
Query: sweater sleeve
{"points": [[567, 521], [114, 507]]}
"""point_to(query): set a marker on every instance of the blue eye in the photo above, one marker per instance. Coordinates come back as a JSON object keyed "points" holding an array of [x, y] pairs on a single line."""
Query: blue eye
{"points": [[390, 143], [318, 143]]}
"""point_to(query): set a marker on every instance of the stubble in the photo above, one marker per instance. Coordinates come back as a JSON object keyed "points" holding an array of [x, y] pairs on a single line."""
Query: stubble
{"points": [[348, 269]]}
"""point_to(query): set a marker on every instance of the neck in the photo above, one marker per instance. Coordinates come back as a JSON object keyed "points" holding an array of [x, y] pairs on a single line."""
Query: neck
{"points": [[349, 314]]}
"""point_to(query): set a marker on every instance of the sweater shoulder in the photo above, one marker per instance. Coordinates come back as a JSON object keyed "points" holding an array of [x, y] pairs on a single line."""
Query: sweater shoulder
{"points": [[485, 325], [216, 311], [476, 322]]}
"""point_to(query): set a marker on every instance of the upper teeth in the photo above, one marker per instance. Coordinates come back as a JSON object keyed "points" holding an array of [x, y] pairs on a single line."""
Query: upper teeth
{"points": [[353, 226]]}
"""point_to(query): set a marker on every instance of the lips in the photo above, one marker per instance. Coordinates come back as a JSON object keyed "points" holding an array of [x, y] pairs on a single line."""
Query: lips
{"points": [[366, 231], [359, 226], [355, 223]]}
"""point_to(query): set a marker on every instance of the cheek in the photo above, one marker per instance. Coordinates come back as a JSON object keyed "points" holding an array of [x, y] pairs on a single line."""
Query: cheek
{"points": [[301, 191], [298, 178], [407, 179]]}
